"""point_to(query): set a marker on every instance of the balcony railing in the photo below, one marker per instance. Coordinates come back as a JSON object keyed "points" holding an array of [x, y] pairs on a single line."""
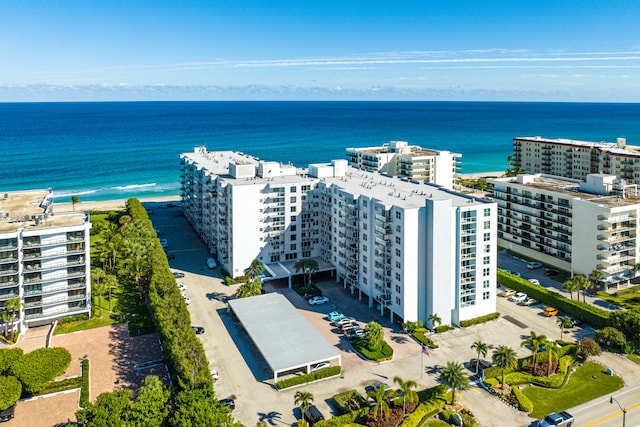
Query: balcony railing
{"points": [[55, 313], [55, 301]]}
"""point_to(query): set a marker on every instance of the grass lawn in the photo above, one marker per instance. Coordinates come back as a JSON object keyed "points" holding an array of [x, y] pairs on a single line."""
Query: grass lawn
{"points": [[581, 388], [385, 353], [634, 358], [628, 301]]}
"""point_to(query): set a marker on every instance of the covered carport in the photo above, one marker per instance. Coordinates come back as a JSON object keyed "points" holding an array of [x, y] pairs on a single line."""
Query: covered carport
{"points": [[284, 338]]}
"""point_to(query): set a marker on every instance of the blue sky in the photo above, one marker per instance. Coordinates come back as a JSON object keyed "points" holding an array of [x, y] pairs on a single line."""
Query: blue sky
{"points": [[350, 49]]}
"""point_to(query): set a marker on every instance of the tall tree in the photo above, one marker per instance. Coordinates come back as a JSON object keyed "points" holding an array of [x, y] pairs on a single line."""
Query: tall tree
{"points": [[552, 351], [255, 269], [583, 284], [453, 376], [110, 283], [563, 322], [596, 275], [570, 286], [99, 288], [308, 267], [13, 306], [434, 320], [249, 289], [512, 170], [74, 200], [381, 396], [303, 399], [481, 349], [505, 358], [151, 405], [5, 318], [375, 335], [534, 341], [408, 395]]}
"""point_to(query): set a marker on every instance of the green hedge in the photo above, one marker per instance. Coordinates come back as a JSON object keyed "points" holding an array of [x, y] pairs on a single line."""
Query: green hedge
{"points": [[344, 420], [588, 313], [341, 400], [524, 404], [517, 378], [10, 390], [385, 352], [9, 356], [442, 328], [307, 378], [39, 367], [84, 386], [421, 335], [478, 320], [424, 410]]}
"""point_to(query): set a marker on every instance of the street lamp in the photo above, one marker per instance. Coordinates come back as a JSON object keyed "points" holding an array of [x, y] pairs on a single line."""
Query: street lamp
{"points": [[624, 411]]}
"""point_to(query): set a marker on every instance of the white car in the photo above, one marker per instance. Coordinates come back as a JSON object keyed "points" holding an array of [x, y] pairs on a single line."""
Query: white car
{"points": [[211, 263], [320, 366], [318, 300], [215, 375], [182, 287], [532, 265], [534, 281], [186, 299], [518, 297]]}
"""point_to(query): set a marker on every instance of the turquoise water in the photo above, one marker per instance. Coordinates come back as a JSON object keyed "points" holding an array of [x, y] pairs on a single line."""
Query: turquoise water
{"points": [[116, 150]]}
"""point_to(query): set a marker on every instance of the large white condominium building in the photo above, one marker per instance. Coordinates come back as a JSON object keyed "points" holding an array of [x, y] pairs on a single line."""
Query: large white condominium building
{"points": [[577, 159], [44, 258], [410, 249], [577, 226], [398, 158]]}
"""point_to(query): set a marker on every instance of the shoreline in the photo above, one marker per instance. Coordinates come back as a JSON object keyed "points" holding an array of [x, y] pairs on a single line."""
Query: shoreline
{"points": [[108, 205]]}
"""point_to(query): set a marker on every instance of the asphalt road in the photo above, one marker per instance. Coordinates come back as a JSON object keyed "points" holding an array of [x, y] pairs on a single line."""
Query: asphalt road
{"points": [[245, 375]]}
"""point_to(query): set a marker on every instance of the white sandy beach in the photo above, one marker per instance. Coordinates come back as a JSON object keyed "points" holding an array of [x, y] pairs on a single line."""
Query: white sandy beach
{"points": [[107, 205]]}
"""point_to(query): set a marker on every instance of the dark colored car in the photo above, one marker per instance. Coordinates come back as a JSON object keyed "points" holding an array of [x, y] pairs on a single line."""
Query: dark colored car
{"points": [[7, 414], [229, 403], [178, 275], [198, 329], [313, 415], [551, 273], [171, 257]]}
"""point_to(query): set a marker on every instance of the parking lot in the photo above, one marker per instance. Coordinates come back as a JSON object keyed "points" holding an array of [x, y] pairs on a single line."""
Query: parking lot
{"points": [[245, 375]]}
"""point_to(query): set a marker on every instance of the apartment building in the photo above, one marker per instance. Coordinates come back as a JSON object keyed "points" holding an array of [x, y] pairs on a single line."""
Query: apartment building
{"points": [[577, 159], [577, 226], [44, 258], [398, 158], [407, 248]]}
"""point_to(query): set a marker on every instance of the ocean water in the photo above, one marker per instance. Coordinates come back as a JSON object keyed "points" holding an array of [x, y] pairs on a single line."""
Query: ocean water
{"points": [[116, 150]]}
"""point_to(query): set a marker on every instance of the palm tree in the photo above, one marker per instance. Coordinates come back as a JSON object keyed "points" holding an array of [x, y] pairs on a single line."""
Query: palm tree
{"points": [[4, 317], [249, 289], [408, 395], [552, 351], [303, 399], [307, 266], [481, 349], [99, 289], [582, 283], [255, 269], [535, 341], [381, 397], [596, 275], [74, 200], [570, 286], [563, 322], [454, 377], [375, 335], [434, 319], [110, 282], [13, 306], [505, 358]]}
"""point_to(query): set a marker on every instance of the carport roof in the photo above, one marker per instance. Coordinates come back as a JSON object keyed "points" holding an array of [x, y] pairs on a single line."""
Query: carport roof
{"points": [[283, 336]]}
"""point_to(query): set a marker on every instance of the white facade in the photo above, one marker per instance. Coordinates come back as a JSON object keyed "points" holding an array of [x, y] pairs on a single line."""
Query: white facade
{"points": [[577, 159], [410, 249], [44, 258], [398, 158], [577, 226]]}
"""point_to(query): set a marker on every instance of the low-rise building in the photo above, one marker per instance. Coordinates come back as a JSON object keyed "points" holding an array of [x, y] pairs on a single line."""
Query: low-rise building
{"points": [[398, 158], [577, 226], [44, 258], [409, 248]]}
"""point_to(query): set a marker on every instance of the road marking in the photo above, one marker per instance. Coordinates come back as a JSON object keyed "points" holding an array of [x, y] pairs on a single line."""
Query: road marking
{"points": [[614, 415]]}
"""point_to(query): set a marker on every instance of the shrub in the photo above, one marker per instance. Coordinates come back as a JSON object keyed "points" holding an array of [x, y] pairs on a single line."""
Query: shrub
{"points": [[344, 420], [524, 404], [442, 328], [72, 319], [10, 390], [36, 369], [424, 410], [84, 386], [421, 335], [8, 356], [349, 401], [409, 327], [307, 378], [478, 320]]}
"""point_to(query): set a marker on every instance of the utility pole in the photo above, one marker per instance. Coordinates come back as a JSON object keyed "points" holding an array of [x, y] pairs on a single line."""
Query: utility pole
{"points": [[624, 411]]}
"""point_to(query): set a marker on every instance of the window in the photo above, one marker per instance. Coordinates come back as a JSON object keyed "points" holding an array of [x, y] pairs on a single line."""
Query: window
{"points": [[398, 215], [275, 258], [485, 284], [292, 189], [398, 253], [364, 258], [485, 295], [487, 248], [306, 254], [398, 240], [398, 277], [398, 288], [398, 228], [364, 203], [364, 280], [293, 227], [364, 248], [364, 226], [293, 218], [398, 264], [364, 269], [364, 237], [293, 209], [293, 199], [293, 246], [485, 271], [487, 225], [487, 212], [486, 260], [486, 237], [397, 301]]}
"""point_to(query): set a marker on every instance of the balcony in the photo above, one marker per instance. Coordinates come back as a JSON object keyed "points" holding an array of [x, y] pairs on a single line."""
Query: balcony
{"points": [[37, 280], [8, 296], [76, 309], [52, 290], [9, 271]]}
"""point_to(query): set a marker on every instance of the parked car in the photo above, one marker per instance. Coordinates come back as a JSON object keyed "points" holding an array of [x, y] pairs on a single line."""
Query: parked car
{"points": [[507, 293], [186, 299], [313, 415], [182, 287], [164, 242], [229, 403], [556, 419], [551, 311], [377, 385], [532, 265], [318, 300], [171, 257], [211, 263], [7, 414], [320, 366], [551, 273], [178, 275], [335, 316], [534, 281], [574, 322], [529, 302], [215, 375], [517, 274], [198, 329], [518, 297], [484, 364]]}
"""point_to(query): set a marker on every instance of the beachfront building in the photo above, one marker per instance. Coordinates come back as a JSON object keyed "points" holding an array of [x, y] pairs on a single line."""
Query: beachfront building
{"points": [[398, 158], [44, 258], [410, 249], [577, 226], [576, 159]]}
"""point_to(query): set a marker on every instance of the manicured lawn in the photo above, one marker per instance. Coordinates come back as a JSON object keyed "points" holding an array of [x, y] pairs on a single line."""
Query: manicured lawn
{"points": [[634, 358], [628, 301], [587, 383], [385, 353]]}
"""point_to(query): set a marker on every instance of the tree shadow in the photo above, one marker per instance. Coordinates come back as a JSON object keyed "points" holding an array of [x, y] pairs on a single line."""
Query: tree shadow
{"points": [[270, 418]]}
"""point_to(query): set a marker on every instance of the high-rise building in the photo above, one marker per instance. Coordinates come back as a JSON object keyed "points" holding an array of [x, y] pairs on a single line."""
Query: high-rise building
{"points": [[577, 226], [398, 158], [576, 159], [411, 249], [44, 258]]}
